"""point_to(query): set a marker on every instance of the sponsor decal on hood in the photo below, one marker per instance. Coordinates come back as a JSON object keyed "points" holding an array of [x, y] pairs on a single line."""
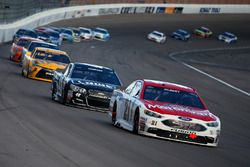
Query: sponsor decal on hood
{"points": [[98, 84], [50, 64], [181, 111]]}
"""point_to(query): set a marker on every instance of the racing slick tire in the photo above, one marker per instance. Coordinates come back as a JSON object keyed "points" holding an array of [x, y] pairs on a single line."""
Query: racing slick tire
{"points": [[136, 122], [64, 96], [53, 91], [113, 118], [22, 73], [27, 72]]}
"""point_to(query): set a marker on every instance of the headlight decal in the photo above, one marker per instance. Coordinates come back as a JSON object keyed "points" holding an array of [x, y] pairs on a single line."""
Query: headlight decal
{"points": [[152, 114], [212, 124], [77, 89]]}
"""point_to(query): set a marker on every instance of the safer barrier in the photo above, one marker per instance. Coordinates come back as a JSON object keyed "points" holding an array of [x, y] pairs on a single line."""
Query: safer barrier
{"points": [[7, 30]]}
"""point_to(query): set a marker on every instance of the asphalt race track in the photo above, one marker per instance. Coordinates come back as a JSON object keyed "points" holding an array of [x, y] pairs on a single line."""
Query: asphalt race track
{"points": [[37, 132]]}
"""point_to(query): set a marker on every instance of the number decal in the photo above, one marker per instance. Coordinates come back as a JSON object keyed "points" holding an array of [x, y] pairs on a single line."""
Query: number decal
{"points": [[154, 123]]}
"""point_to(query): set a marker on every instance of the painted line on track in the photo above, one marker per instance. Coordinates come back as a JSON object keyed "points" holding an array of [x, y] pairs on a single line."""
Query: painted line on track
{"points": [[171, 55]]}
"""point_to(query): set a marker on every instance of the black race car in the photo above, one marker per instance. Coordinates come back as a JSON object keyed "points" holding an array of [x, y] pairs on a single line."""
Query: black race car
{"points": [[85, 85]]}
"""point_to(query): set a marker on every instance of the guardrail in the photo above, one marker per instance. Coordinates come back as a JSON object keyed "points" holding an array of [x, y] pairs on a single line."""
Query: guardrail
{"points": [[7, 30]]}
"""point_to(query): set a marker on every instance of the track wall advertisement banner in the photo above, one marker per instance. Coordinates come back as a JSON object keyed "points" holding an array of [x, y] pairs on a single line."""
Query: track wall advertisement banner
{"points": [[39, 19], [210, 10], [109, 11]]}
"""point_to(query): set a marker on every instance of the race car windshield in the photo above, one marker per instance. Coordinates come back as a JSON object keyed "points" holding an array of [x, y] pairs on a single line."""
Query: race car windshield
{"points": [[182, 32], [157, 34], [229, 35], [173, 96], [101, 31], [27, 33], [42, 34], [76, 31], [204, 29], [85, 31], [67, 32], [93, 74], [54, 34], [44, 45], [52, 57], [23, 42]]}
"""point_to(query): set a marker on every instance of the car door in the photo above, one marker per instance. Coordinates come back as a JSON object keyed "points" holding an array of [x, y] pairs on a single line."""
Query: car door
{"points": [[62, 79], [122, 101], [130, 102], [26, 61]]}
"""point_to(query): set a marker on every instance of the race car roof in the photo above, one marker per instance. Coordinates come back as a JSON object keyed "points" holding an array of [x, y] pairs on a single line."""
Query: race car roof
{"points": [[169, 85], [30, 38], [93, 66]]}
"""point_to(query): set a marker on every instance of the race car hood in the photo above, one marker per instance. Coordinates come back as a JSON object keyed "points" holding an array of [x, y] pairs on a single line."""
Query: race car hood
{"points": [[179, 110], [87, 84], [50, 64]]}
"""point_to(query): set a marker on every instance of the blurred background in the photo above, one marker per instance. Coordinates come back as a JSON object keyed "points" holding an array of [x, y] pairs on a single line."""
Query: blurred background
{"points": [[11, 11]]}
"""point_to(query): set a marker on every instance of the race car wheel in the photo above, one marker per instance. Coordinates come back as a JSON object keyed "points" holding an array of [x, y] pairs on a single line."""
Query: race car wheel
{"points": [[64, 96], [27, 72], [113, 119], [136, 122], [22, 73], [53, 92]]}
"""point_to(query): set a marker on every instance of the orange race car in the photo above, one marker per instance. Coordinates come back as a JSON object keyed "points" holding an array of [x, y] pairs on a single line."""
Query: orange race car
{"points": [[17, 47], [42, 62]]}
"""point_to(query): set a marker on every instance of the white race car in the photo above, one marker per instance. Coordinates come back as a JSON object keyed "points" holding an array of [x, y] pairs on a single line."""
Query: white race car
{"points": [[227, 37], [157, 36], [101, 34], [164, 110], [85, 33]]}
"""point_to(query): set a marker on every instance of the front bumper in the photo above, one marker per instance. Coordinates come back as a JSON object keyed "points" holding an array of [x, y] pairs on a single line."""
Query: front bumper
{"points": [[16, 56], [41, 74], [155, 128], [86, 100], [182, 137]]}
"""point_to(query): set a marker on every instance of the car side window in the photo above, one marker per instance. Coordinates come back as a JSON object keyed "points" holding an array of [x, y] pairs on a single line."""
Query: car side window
{"points": [[129, 88], [137, 89]]}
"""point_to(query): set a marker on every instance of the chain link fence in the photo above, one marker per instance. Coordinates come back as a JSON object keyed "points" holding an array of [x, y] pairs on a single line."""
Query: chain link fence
{"points": [[12, 10]]}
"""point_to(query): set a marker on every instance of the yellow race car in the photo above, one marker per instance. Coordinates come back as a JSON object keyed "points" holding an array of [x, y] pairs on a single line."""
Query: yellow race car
{"points": [[42, 63]]}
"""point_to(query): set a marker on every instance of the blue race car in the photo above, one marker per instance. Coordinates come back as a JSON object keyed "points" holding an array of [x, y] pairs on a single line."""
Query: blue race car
{"points": [[181, 35], [54, 36], [24, 33], [101, 34], [67, 34], [227, 37], [42, 35]]}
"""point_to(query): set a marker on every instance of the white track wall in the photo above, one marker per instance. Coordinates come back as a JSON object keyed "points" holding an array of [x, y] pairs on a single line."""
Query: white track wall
{"points": [[7, 30]]}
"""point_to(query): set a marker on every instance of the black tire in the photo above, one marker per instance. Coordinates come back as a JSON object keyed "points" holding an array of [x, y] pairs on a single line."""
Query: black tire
{"points": [[113, 119], [27, 72], [53, 91], [136, 122], [64, 96], [22, 73]]}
